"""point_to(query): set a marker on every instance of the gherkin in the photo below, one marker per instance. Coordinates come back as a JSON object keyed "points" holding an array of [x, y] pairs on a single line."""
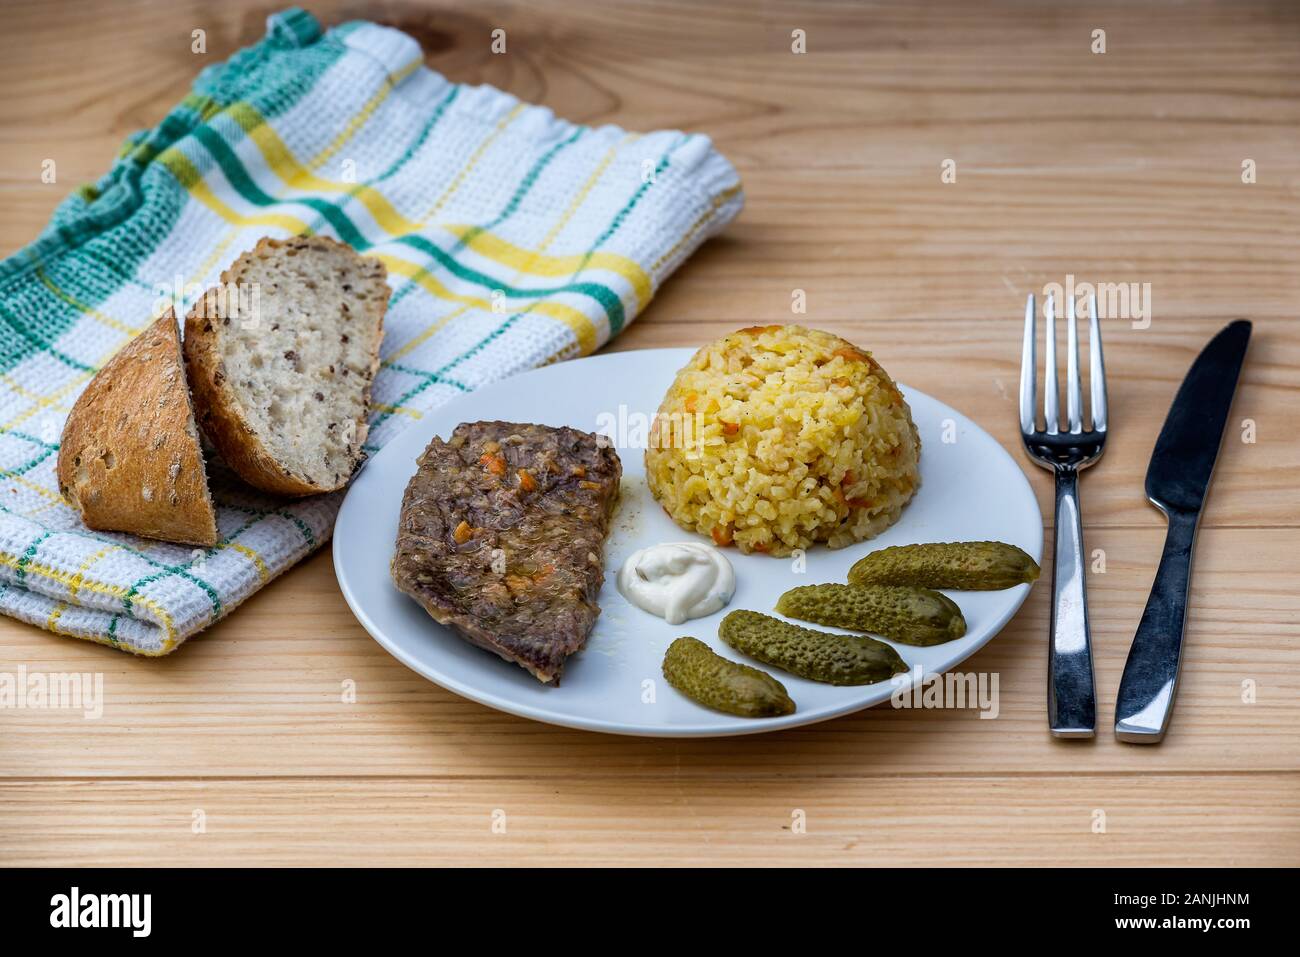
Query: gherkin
{"points": [[906, 613], [966, 566], [696, 671], [816, 655]]}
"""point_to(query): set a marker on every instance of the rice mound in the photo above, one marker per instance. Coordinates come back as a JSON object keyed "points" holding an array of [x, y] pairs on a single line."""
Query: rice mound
{"points": [[775, 438]]}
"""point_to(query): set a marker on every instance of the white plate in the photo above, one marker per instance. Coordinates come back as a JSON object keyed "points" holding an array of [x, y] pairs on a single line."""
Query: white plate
{"points": [[970, 490]]}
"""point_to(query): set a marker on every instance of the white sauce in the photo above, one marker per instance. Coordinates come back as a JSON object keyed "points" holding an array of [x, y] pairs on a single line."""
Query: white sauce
{"points": [[677, 581]]}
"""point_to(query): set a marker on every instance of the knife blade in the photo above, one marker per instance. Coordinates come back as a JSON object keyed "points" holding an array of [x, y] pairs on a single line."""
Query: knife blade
{"points": [[1183, 460], [1177, 483]]}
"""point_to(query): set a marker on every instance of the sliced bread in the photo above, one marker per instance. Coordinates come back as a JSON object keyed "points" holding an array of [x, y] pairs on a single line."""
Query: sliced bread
{"points": [[281, 357], [130, 458]]}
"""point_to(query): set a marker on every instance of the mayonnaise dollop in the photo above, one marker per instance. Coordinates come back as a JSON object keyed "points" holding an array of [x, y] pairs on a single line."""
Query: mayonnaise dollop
{"points": [[677, 581]]}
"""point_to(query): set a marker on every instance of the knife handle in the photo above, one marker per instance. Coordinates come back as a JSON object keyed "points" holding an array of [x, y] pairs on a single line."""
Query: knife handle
{"points": [[1071, 692], [1150, 681]]}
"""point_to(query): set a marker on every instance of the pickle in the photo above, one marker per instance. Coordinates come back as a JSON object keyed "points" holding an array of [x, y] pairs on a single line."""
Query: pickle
{"points": [[967, 566], [906, 613], [816, 655], [696, 671]]}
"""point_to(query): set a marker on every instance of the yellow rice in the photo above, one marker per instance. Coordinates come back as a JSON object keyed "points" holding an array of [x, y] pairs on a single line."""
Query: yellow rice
{"points": [[778, 437]]}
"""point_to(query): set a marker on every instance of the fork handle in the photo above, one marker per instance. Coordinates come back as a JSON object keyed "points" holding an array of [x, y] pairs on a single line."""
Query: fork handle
{"points": [[1071, 692], [1146, 691]]}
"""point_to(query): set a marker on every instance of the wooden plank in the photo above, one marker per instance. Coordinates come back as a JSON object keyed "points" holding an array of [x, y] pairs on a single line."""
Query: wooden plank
{"points": [[261, 693], [929, 820]]}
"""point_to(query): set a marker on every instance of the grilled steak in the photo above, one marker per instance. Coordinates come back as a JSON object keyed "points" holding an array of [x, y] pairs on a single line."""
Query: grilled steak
{"points": [[502, 538]]}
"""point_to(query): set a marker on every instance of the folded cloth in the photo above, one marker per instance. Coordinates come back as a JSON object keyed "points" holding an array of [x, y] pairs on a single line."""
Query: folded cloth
{"points": [[512, 238]]}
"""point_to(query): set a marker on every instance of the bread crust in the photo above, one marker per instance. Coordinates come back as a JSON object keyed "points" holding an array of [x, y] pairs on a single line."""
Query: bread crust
{"points": [[218, 409], [129, 457]]}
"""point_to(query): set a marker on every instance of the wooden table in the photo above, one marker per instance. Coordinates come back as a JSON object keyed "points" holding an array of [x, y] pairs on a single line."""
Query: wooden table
{"points": [[1125, 167]]}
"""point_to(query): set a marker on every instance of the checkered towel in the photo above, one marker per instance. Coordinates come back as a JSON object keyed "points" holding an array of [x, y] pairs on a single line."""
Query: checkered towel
{"points": [[512, 239]]}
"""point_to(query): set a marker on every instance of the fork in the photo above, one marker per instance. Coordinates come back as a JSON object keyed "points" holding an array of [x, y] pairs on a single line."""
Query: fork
{"points": [[1071, 694]]}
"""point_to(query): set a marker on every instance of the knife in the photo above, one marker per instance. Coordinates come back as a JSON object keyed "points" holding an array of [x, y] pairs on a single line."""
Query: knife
{"points": [[1178, 479]]}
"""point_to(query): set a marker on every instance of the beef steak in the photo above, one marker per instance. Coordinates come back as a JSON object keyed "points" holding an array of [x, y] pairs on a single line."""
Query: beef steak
{"points": [[502, 537]]}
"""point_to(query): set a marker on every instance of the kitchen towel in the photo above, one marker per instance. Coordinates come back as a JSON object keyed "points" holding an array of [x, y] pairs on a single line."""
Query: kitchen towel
{"points": [[512, 239]]}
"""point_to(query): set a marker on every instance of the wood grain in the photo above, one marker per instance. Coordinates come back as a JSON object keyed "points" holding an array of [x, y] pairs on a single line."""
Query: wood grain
{"points": [[1176, 820], [280, 672], [1122, 167]]}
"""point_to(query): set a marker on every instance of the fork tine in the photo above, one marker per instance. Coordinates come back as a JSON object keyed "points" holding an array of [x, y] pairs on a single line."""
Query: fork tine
{"points": [[1097, 368], [1073, 388], [1028, 370], [1051, 409]]}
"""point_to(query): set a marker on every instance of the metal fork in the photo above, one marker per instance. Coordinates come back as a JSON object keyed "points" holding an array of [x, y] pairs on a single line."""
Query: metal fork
{"points": [[1071, 694]]}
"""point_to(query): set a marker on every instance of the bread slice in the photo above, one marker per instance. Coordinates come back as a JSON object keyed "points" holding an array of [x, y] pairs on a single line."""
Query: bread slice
{"points": [[130, 458], [281, 357]]}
